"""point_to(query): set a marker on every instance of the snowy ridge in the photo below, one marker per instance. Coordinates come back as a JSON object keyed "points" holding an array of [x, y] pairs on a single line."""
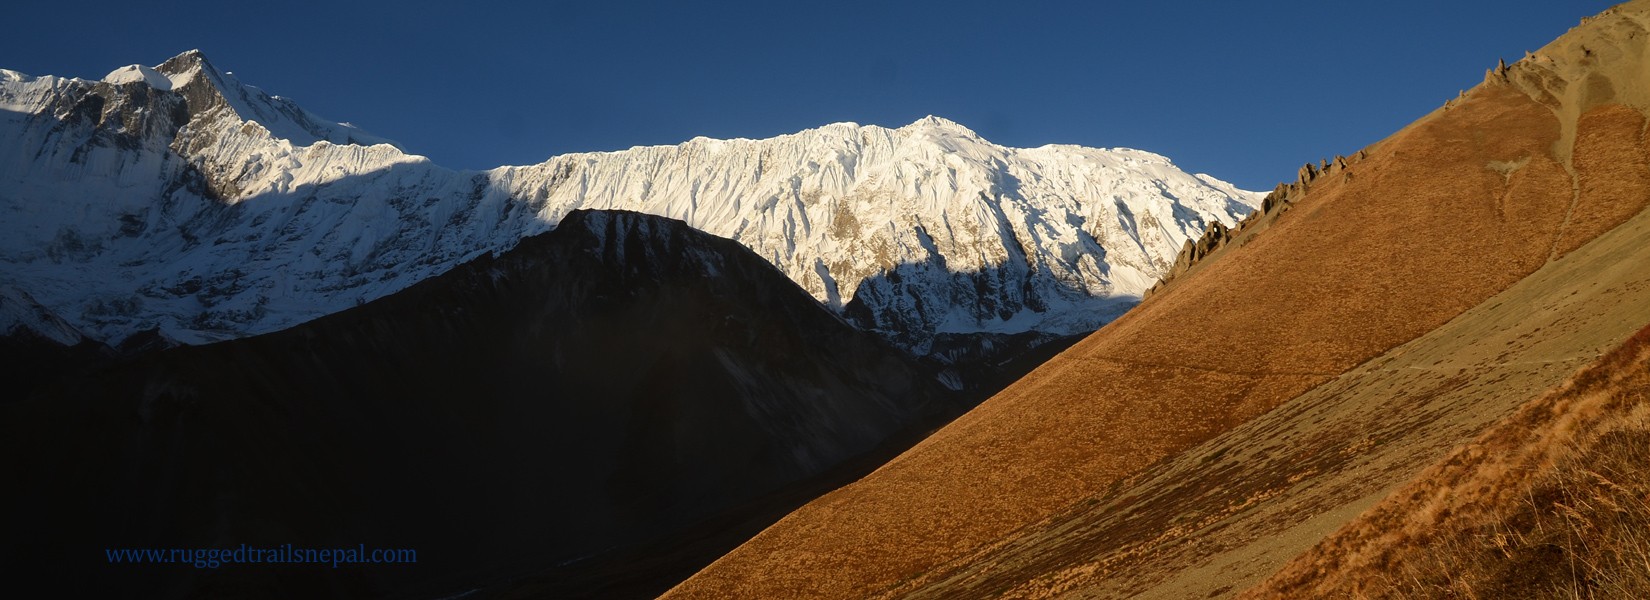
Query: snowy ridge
{"points": [[282, 117], [932, 227], [177, 198], [20, 314], [148, 76]]}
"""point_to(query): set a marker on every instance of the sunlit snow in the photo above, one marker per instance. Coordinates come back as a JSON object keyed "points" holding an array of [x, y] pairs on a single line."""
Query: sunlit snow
{"points": [[251, 214]]}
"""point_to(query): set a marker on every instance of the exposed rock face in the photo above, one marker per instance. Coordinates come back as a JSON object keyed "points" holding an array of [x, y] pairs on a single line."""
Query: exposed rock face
{"points": [[1277, 202], [598, 386], [177, 199], [1308, 172], [1212, 239]]}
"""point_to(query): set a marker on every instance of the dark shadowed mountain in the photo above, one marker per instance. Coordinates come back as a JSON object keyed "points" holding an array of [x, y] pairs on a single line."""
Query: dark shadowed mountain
{"points": [[591, 391]]}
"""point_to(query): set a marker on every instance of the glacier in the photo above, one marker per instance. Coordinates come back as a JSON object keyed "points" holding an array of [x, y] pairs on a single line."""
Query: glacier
{"points": [[176, 200]]}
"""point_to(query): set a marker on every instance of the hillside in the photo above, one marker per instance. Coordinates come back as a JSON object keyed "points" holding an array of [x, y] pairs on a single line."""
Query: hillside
{"points": [[1226, 513], [1388, 308], [599, 388], [1553, 501]]}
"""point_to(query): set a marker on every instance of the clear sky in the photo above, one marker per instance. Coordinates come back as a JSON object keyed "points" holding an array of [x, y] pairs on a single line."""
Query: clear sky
{"points": [[1244, 91]]}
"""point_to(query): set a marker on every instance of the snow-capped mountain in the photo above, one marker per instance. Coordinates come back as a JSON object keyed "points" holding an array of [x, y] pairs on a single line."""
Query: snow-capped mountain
{"points": [[177, 200]]}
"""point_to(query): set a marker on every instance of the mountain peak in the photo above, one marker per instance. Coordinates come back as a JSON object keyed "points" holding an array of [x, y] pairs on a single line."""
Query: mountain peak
{"points": [[182, 67], [283, 118], [135, 73], [941, 123], [174, 73], [184, 61]]}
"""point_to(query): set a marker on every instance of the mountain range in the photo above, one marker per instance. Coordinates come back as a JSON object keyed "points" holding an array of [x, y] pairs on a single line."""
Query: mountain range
{"points": [[178, 202], [850, 362], [601, 360]]}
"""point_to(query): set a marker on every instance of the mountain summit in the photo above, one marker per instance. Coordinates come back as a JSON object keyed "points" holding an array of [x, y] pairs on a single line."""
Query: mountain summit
{"points": [[206, 87], [179, 201]]}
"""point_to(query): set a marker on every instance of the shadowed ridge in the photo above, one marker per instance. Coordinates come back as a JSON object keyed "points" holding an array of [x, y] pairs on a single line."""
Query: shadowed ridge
{"points": [[596, 389]]}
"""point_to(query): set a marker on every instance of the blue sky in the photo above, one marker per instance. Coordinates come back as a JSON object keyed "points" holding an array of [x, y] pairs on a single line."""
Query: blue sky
{"points": [[1243, 91]]}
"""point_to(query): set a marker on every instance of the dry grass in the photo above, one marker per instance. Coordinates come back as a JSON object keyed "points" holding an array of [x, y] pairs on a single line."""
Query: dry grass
{"points": [[1554, 502], [1360, 265], [1352, 271], [1580, 532]]}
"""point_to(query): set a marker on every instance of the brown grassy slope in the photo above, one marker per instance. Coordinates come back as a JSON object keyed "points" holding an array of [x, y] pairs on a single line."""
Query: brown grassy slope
{"points": [[1225, 514], [1552, 501], [1403, 241]]}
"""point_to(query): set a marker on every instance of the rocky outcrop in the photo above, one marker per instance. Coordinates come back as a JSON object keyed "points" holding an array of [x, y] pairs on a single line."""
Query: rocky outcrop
{"points": [[1275, 203], [1570, 75]]}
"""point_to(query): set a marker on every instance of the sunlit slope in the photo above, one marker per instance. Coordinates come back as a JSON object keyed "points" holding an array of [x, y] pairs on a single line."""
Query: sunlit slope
{"points": [[1353, 262], [1226, 513], [1552, 501]]}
